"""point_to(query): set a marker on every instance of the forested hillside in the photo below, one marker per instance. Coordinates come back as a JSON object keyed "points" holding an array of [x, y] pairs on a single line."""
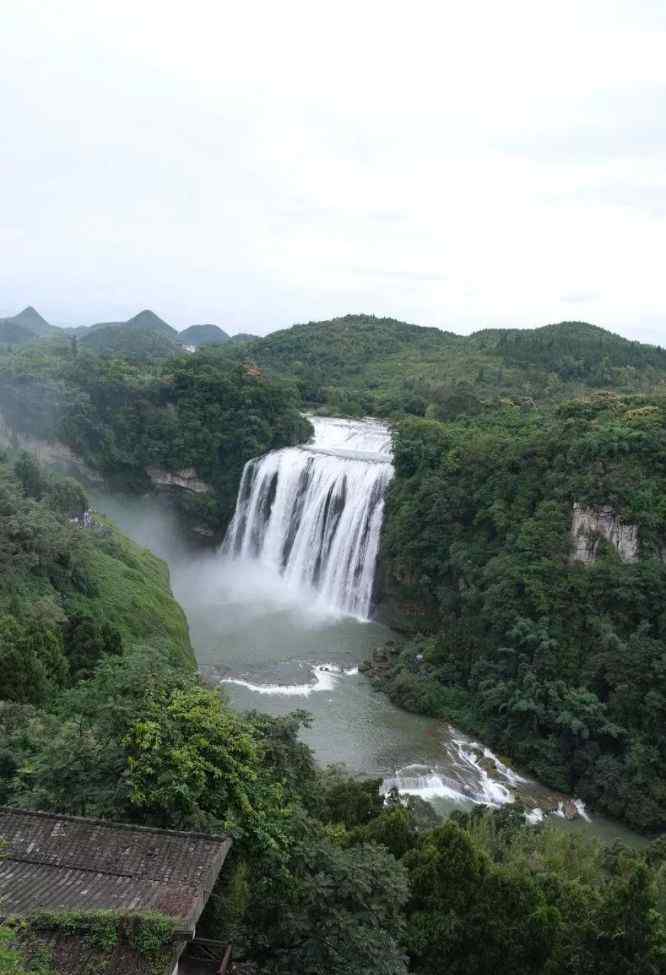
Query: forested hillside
{"points": [[360, 364], [102, 714], [561, 664], [72, 589], [202, 412], [198, 335]]}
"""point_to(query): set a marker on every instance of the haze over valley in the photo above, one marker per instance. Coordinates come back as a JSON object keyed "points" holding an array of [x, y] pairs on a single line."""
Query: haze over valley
{"points": [[333, 489]]}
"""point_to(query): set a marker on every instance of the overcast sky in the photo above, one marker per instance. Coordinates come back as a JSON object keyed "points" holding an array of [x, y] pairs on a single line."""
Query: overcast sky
{"points": [[257, 164]]}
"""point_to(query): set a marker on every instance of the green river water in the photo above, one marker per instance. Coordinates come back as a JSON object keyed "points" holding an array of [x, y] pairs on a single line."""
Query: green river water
{"points": [[255, 637]]}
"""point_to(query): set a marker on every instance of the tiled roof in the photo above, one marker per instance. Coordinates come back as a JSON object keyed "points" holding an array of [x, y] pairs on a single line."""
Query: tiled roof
{"points": [[73, 863]]}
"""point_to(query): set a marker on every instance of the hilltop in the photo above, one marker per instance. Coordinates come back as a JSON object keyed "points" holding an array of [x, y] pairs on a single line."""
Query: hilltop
{"points": [[197, 335], [360, 364], [144, 336], [363, 364], [24, 327]]}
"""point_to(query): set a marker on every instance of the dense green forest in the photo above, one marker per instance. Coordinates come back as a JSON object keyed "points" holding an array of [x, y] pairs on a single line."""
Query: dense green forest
{"points": [[104, 715], [360, 365], [560, 664], [72, 594], [192, 411]]}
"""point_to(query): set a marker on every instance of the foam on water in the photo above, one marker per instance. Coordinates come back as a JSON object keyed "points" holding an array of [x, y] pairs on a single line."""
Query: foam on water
{"points": [[326, 677]]}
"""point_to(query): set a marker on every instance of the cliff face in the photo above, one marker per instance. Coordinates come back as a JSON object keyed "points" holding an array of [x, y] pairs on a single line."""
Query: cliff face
{"points": [[590, 525], [186, 480], [51, 453]]}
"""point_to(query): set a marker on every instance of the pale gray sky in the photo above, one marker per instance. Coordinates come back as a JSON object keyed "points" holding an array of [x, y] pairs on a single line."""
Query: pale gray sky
{"points": [[257, 164]]}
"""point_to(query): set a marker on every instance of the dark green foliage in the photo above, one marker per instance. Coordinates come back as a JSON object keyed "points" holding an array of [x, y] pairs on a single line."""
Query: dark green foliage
{"points": [[30, 476], [198, 335], [340, 911], [574, 351], [69, 595], [146, 743], [202, 411], [352, 802], [13, 334], [87, 641], [478, 917], [559, 664], [361, 364], [138, 344], [29, 321], [32, 660], [148, 933]]}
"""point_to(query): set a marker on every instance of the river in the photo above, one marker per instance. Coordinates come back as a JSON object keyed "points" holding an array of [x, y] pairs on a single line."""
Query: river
{"points": [[278, 618]]}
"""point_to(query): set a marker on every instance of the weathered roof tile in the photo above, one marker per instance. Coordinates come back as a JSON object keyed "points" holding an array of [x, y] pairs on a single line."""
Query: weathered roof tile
{"points": [[70, 862]]}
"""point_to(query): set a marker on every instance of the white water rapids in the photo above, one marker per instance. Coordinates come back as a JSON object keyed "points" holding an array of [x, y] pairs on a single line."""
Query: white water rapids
{"points": [[280, 620], [308, 521], [314, 513]]}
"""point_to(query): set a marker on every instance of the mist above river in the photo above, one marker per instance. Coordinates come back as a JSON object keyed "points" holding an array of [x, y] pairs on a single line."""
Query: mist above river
{"points": [[277, 618], [269, 650]]}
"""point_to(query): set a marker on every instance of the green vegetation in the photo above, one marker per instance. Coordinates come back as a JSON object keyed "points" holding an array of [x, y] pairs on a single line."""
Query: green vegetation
{"points": [[148, 933], [198, 335], [139, 344], [324, 876], [85, 942], [72, 595], [32, 322], [203, 412], [360, 365], [559, 664], [15, 960]]}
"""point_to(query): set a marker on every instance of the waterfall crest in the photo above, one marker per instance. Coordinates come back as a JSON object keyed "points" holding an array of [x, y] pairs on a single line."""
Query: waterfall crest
{"points": [[314, 513]]}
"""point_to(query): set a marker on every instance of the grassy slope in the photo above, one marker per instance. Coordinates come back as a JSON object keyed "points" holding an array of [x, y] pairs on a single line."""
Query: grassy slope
{"points": [[134, 594], [125, 585]]}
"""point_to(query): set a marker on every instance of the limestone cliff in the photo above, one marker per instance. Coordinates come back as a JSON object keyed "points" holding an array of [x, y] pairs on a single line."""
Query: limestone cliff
{"points": [[590, 525], [186, 479]]}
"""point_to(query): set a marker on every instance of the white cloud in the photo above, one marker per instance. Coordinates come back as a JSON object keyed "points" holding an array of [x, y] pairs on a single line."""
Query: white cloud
{"points": [[260, 164]]}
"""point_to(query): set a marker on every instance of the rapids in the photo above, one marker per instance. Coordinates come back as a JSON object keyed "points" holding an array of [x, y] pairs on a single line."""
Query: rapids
{"points": [[279, 619]]}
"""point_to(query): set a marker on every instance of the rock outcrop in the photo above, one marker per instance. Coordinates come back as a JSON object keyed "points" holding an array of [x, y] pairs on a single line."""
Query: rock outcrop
{"points": [[51, 453], [186, 479], [590, 525]]}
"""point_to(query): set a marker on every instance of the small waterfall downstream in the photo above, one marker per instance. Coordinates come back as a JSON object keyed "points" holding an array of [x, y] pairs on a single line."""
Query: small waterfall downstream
{"points": [[314, 513]]}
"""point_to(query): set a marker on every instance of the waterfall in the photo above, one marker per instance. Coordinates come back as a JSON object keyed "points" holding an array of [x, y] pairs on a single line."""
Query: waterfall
{"points": [[314, 513]]}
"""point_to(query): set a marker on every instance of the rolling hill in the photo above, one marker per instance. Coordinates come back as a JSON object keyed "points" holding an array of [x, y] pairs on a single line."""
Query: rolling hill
{"points": [[145, 336], [197, 335], [361, 363]]}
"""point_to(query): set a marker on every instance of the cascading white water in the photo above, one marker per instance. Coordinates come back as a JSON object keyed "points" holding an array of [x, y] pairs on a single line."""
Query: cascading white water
{"points": [[314, 513]]}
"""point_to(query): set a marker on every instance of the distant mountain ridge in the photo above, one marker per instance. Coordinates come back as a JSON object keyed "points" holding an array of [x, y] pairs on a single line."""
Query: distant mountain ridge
{"points": [[197, 335], [365, 364], [24, 325], [144, 336], [361, 363]]}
